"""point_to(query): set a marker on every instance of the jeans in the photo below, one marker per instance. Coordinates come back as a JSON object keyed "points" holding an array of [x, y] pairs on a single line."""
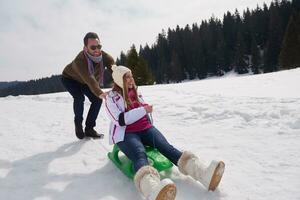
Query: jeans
{"points": [[78, 90], [133, 147]]}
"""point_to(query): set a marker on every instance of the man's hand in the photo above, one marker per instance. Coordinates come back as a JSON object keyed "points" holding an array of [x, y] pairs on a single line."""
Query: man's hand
{"points": [[103, 95], [148, 108]]}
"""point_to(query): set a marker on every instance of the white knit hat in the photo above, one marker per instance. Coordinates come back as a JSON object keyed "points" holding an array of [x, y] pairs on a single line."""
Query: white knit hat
{"points": [[118, 73]]}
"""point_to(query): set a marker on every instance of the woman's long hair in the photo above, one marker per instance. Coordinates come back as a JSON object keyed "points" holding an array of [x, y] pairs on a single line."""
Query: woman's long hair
{"points": [[124, 93]]}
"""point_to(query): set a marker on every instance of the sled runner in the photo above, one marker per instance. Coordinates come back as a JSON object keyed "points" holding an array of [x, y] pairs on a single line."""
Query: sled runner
{"points": [[156, 159]]}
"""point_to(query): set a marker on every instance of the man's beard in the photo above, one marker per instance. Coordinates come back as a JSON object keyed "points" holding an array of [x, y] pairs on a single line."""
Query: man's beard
{"points": [[96, 59]]}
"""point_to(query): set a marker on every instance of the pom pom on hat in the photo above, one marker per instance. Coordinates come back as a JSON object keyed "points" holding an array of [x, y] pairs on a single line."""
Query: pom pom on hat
{"points": [[118, 73]]}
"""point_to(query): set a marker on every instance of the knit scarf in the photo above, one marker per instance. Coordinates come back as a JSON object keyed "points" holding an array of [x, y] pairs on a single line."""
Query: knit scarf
{"points": [[98, 60]]}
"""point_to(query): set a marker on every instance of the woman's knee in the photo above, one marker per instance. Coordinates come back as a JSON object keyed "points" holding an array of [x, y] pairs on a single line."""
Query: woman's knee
{"points": [[141, 155], [137, 155], [140, 160]]}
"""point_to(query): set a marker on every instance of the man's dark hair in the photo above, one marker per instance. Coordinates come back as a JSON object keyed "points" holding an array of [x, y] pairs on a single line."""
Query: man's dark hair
{"points": [[90, 35]]}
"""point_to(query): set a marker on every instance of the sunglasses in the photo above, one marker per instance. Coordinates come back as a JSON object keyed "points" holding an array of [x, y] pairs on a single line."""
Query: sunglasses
{"points": [[94, 47]]}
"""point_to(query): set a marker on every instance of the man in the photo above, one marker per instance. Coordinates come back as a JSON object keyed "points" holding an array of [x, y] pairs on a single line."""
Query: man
{"points": [[84, 76]]}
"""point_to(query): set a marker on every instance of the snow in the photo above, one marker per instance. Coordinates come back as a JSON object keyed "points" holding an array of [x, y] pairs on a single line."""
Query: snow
{"points": [[251, 122]]}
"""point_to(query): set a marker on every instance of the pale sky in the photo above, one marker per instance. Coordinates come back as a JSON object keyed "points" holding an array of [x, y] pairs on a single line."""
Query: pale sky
{"points": [[39, 37]]}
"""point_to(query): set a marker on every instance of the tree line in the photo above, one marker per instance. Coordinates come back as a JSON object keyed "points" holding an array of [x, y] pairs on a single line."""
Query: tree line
{"points": [[261, 40], [40, 86]]}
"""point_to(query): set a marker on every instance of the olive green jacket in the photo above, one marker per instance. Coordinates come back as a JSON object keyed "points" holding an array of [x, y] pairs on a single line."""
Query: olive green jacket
{"points": [[79, 70]]}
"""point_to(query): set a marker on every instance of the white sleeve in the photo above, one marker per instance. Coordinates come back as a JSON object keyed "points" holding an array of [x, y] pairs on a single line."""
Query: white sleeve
{"points": [[130, 117], [112, 110], [134, 115]]}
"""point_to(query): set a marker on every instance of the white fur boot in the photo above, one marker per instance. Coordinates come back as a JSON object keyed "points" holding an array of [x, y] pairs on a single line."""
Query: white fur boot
{"points": [[210, 176], [148, 183]]}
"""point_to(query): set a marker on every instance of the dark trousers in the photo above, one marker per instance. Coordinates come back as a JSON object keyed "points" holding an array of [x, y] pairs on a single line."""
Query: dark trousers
{"points": [[133, 147], [78, 90]]}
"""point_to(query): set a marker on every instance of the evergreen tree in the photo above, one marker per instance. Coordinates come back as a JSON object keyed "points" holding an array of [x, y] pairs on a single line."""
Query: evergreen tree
{"points": [[296, 5], [220, 58], [139, 68], [163, 54], [272, 49], [143, 73], [289, 55], [122, 60], [255, 57], [188, 52], [132, 59], [247, 30], [175, 72], [240, 63], [177, 60], [229, 34]]}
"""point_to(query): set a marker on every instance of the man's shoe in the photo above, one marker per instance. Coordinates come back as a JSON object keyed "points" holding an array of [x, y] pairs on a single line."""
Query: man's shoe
{"points": [[79, 131], [93, 134]]}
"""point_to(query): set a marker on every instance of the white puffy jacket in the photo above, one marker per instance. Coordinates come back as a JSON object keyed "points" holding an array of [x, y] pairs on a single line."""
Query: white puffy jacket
{"points": [[114, 106]]}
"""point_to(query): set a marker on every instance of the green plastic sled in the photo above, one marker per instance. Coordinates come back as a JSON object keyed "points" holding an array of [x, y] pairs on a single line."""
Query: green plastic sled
{"points": [[156, 159]]}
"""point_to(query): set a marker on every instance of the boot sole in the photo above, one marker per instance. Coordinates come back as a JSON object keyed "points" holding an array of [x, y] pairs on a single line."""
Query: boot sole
{"points": [[80, 136], [217, 176], [167, 193]]}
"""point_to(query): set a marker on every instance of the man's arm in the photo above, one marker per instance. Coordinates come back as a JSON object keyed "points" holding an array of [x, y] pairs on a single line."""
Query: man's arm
{"points": [[84, 74]]}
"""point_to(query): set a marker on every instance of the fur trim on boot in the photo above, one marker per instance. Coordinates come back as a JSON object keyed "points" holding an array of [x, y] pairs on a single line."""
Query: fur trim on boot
{"points": [[147, 182], [210, 176]]}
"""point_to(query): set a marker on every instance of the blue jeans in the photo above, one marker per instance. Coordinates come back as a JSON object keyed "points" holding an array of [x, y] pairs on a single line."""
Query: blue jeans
{"points": [[78, 90], [133, 147]]}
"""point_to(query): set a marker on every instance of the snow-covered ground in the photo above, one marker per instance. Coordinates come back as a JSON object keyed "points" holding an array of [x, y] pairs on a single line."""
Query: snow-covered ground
{"points": [[250, 122]]}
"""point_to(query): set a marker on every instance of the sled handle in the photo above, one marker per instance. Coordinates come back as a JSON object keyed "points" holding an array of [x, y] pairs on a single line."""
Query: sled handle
{"points": [[115, 154]]}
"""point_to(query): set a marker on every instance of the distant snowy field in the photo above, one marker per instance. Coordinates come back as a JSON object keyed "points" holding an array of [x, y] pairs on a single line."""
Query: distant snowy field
{"points": [[252, 123]]}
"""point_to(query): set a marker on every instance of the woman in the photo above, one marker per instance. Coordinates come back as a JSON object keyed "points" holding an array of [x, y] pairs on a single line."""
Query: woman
{"points": [[131, 129]]}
